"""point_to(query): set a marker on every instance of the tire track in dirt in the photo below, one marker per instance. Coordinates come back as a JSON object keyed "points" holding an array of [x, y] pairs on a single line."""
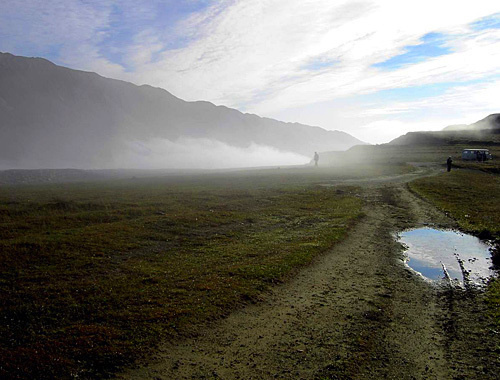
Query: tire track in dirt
{"points": [[355, 313]]}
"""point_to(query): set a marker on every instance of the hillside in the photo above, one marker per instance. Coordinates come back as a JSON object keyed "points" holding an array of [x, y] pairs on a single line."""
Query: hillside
{"points": [[52, 117], [483, 132], [426, 147], [490, 122]]}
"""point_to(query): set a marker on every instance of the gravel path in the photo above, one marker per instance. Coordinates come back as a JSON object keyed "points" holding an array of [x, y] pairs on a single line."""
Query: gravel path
{"points": [[356, 313]]}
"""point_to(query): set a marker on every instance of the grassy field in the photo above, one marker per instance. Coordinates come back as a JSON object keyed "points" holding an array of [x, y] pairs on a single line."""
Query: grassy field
{"points": [[95, 274], [472, 198], [487, 167]]}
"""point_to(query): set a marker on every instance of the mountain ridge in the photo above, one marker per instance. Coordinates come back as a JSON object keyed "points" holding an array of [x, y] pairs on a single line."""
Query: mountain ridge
{"points": [[489, 122], [484, 131], [55, 116]]}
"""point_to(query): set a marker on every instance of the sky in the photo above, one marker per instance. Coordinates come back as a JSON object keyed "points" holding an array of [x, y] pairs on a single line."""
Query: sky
{"points": [[374, 69]]}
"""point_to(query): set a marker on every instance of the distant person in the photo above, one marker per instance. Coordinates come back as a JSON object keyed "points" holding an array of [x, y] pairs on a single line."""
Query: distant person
{"points": [[479, 156], [448, 163], [316, 158], [485, 157]]}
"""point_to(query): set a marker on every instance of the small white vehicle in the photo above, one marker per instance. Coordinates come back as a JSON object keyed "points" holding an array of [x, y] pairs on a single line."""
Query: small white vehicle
{"points": [[474, 154]]}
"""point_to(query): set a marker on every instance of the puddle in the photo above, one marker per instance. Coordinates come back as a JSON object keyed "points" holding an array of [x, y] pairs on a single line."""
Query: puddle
{"points": [[447, 254]]}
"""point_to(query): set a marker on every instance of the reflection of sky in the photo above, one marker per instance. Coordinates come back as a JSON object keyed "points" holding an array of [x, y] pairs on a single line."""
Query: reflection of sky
{"points": [[428, 248]]}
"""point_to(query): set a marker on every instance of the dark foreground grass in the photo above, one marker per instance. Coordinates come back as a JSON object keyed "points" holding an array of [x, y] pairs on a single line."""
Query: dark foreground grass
{"points": [[473, 199], [95, 274]]}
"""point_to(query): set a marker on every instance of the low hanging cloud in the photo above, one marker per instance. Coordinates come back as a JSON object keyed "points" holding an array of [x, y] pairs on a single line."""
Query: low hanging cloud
{"points": [[190, 153]]}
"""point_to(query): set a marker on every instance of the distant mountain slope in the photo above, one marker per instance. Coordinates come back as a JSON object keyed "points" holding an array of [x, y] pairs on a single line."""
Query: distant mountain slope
{"points": [[52, 116], [485, 132], [489, 122]]}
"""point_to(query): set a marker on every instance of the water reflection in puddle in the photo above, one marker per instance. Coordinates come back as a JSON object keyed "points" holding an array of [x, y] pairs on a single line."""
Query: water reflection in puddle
{"points": [[437, 254]]}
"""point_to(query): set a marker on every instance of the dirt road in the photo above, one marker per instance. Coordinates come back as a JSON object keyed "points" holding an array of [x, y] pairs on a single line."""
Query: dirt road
{"points": [[356, 313]]}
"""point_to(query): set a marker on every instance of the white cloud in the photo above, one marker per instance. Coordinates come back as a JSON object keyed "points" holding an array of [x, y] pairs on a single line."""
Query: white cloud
{"points": [[458, 105], [73, 28], [255, 47], [145, 45], [383, 131], [475, 98], [44, 24], [252, 56], [190, 153]]}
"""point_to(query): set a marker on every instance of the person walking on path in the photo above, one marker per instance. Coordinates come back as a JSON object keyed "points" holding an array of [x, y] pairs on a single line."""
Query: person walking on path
{"points": [[316, 158], [448, 163]]}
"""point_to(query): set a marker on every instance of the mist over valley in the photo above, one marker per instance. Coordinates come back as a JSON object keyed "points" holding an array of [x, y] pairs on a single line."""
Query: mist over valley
{"points": [[55, 117], [249, 189]]}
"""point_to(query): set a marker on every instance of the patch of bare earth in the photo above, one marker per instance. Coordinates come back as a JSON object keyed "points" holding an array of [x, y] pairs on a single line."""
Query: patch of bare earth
{"points": [[356, 313]]}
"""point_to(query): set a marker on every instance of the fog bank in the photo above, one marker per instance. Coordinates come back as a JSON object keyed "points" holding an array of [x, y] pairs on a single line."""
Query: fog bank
{"points": [[55, 117], [191, 153], [159, 153]]}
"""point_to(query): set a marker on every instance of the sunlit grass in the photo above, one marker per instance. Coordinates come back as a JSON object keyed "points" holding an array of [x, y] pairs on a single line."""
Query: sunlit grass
{"points": [[473, 199], [470, 197]]}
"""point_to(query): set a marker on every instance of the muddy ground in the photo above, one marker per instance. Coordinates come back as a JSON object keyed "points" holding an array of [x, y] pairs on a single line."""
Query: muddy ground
{"points": [[356, 313]]}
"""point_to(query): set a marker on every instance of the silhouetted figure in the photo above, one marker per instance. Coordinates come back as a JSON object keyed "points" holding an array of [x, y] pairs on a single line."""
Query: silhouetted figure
{"points": [[316, 158], [479, 156], [485, 157], [448, 163]]}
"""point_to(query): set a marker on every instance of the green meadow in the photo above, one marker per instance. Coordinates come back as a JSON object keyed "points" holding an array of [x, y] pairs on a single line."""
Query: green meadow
{"points": [[472, 197], [95, 274]]}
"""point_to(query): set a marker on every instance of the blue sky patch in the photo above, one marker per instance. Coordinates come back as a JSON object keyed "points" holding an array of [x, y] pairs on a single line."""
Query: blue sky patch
{"points": [[432, 45], [489, 22], [410, 93], [160, 17], [415, 93]]}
